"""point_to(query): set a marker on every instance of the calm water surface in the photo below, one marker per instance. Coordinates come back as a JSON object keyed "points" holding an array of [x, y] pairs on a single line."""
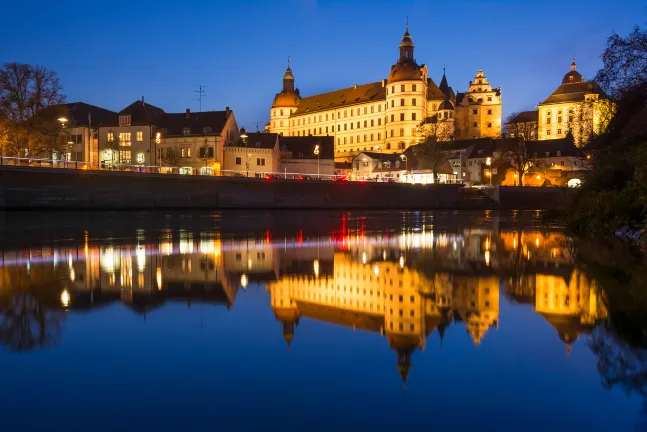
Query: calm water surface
{"points": [[311, 321]]}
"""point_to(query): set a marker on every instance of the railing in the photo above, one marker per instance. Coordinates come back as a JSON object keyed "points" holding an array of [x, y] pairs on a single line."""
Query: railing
{"points": [[202, 171]]}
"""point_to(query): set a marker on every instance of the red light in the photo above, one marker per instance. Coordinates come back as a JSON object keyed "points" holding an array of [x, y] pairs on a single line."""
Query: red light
{"points": [[267, 177]]}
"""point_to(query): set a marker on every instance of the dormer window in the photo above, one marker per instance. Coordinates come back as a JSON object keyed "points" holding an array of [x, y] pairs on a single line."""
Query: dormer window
{"points": [[124, 120], [570, 78], [206, 130], [186, 131]]}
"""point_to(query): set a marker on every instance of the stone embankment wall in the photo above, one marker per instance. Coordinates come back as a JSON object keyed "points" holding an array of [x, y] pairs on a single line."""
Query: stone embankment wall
{"points": [[529, 198], [47, 188]]}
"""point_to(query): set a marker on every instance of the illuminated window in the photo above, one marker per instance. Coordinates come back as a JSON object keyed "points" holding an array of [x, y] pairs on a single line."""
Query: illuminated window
{"points": [[372, 109], [125, 157], [110, 137], [186, 131], [124, 139], [140, 136]]}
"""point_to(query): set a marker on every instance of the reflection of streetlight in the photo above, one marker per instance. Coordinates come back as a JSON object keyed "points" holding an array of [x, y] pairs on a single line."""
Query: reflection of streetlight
{"points": [[316, 151], [401, 262], [243, 280], [63, 121], [376, 270], [65, 298], [315, 264], [363, 257]]}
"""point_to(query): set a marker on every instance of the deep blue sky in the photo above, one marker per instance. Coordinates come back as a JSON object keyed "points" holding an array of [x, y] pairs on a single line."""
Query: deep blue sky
{"points": [[111, 53]]}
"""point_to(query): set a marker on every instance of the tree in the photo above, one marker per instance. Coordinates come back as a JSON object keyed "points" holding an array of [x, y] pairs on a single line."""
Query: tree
{"points": [[625, 63], [515, 152], [170, 157], [516, 126], [25, 92], [589, 119]]}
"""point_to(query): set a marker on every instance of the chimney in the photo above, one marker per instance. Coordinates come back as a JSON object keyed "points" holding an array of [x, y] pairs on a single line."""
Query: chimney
{"points": [[383, 82], [227, 111], [142, 99], [188, 113]]}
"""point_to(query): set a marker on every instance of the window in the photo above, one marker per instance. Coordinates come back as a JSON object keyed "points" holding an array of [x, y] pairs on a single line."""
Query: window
{"points": [[372, 109], [402, 102], [365, 123], [186, 131], [392, 118], [124, 139], [365, 136], [239, 160], [379, 122], [365, 110], [570, 119], [413, 88], [379, 136], [124, 156], [124, 120], [351, 112], [358, 125], [319, 117], [559, 131], [413, 132], [379, 108], [392, 132], [414, 101], [489, 112], [547, 154], [388, 146], [345, 113], [559, 153], [110, 137], [345, 126], [548, 120], [401, 116], [548, 132], [413, 116], [402, 88], [475, 124], [338, 128], [260, 161], [559, 119], [392, 103], [561, 163], [351, 125], [344, 140], [371, 137], [489, 98], [401, 131], [434, 107], [489, 125], [392, 89], [475, 111], [351, 140]]}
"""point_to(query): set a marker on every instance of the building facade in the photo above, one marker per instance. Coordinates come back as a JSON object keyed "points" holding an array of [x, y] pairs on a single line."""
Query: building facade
{"points": [[387, 113], [195, 142], [311, 156], [253, 155], [577, 107]]}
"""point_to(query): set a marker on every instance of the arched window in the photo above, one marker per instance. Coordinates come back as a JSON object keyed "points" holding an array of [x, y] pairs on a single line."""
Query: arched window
{"points": [[401, 146]]}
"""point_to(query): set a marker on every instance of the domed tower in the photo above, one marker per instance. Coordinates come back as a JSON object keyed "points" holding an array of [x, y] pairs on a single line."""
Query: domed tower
{"points": [[445, 117], [406, 88], [285, 103], [573, 77]]}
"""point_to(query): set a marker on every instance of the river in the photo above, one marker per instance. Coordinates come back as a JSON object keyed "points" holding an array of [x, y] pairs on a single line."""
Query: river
{"points": [[316, 321]]}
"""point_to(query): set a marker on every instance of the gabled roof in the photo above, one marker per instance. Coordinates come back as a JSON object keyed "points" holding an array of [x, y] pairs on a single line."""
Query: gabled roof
{"points": [[433, 92], [77, 114], [574, 92], [526, 117], [259, 140], [303, 147], [372, 92], [386, 157], [483, 148], [565, 146], [142, 113], [174, 123]]}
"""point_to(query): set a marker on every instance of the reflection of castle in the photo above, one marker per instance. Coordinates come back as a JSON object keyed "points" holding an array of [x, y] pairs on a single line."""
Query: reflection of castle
{"points": [[388, 297]]}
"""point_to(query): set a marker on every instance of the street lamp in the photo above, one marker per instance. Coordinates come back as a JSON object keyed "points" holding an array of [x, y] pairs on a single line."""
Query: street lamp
{"points": [[380, 149], [316, 151], [406, 160], [63, 121], [244, 137], [488, 162]]}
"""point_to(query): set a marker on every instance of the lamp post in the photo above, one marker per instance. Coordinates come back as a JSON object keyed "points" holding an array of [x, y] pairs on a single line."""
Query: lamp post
{"points": [[63, 121], [380, 149], [406, 161], [316, 151], [243, 136], [488, 162]]}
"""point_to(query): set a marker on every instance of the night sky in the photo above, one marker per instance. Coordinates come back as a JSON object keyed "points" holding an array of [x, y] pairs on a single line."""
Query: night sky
{"points": [[112, 53]]}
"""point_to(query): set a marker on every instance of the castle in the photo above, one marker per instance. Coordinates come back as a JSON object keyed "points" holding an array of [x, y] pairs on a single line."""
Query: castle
{"points": [[392, 114]]}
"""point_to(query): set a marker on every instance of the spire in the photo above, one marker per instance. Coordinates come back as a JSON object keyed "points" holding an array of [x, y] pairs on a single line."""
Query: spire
{"points": [[443, 83], [406, 46], [288, 79], [573, 66]]}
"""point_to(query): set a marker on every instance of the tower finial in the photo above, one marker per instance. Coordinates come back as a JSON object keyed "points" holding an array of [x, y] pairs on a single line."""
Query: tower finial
{"points": [[407, 23], [288, 62], [573, 65]]}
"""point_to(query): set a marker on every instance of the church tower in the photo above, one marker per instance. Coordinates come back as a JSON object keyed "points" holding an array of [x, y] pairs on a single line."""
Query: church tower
{"points": [[285, 103]]}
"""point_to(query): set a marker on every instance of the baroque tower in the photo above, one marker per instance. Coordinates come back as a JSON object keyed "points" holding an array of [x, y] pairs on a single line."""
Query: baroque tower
{"points": [[285, 103]]}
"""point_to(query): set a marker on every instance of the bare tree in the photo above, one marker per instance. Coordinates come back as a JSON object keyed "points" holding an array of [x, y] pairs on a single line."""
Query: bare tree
{"points": [[519, 127], [170, 157]]}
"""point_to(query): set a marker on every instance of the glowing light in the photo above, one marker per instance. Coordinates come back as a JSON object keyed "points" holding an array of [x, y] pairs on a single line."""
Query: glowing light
{"points": [[72, 274], [538, 177], [249, 263], [487, 258], [376, 270], [243, 280], [487, 243], [315, 264], [158, 277], [363, 257], [158, 137], [62, 119], [401, 262], [141, 258], [514, 243], [140, 157], [537, 241], [316, 149], [65, 298], [488, 161], [384, 255]]}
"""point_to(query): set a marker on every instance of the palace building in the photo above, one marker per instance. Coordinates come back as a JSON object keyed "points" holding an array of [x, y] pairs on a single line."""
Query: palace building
{"points": [[392, 114], [577, 107]]}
